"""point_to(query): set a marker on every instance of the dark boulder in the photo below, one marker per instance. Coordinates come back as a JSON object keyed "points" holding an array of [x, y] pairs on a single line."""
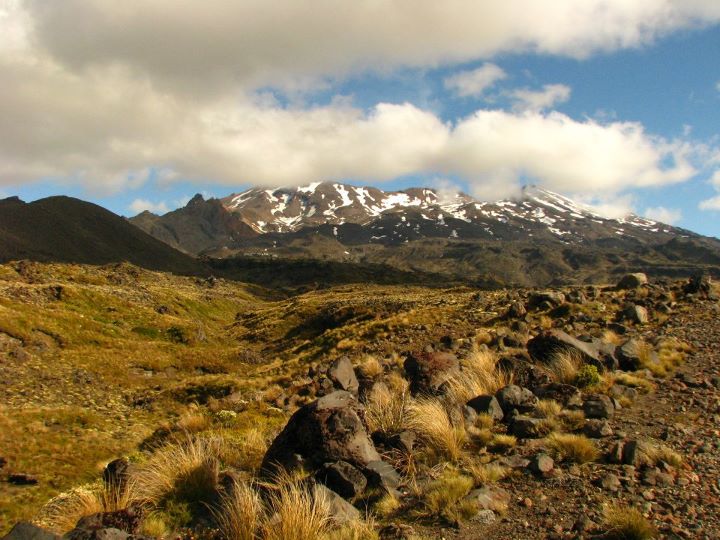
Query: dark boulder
{"points": [[565, 394], [544, 346], [515, 397], [428, 371], [598, 406], [29, 531], [632, 281], [329, 429], [487, 405], [342, 374], [343, 479], [545, 299]]}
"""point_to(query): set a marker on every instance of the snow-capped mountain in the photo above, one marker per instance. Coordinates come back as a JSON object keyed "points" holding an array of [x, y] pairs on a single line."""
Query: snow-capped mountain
{"points": [[425, 212], [533, 239]]}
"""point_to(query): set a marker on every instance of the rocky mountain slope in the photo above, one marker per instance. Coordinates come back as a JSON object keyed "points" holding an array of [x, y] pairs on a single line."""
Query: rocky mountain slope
{"points": [[70, 230], [577, 412], [537, 239]]}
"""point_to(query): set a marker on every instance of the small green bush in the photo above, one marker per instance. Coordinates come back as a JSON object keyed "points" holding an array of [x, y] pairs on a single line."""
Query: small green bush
{"points": [[587, 376]]}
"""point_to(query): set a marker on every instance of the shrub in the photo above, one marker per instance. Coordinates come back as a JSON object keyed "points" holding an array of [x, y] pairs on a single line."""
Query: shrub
{"points": [[570, 447], [586, 376]]}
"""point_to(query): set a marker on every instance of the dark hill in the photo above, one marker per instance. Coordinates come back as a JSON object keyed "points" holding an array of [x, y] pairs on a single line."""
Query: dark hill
{"points": [[64, 229]]}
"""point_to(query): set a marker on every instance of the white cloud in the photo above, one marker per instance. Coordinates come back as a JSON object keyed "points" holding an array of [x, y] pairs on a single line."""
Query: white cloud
{"points": [[612, 206], [205, 46], [476, 81], [538, 100], [140, 205], [710, 204], [665, 215], [494, 149], [105, 94], [714, 202]]}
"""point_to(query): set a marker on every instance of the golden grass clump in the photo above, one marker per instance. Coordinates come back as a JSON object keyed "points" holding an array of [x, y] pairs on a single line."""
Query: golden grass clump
{"points": [[154, 526], [479, 376], [487, 473], [564, 365], [443, 497], [659, 452], [296, 513], [431, 421], [187, 470], [548, 408], [244, 449], [371, 367], [193, 420], [354, 530], [634, 381], [62, 512], [386, 506], [501, 442], [388, 410], [572, 419], [570, 447], [626, 523], [241, 513]]}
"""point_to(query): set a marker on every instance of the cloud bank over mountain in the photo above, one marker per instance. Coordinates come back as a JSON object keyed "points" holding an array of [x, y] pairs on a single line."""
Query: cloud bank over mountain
{"points": [[106, 94]]}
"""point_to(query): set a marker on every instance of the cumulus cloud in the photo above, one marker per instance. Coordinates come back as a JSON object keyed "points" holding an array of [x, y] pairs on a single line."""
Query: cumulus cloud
{"points": [[665, 215], [105, 93], [476, 81], [203, 46], [538, 100], [714, 202], [140, 205], [710, 204]]}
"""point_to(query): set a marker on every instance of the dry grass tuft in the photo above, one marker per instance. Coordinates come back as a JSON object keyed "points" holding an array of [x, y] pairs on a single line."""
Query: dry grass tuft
{"points": [[625, 523], [564, 366], [386, 506], [244, 449], [388, 411], [354, 530], [240, 514], [570, 447], [431, 421], [193, 420], [187, 470], [548, 408], [296, 513], [487, 473], [659, 452], [154, 526], [63, 511], [573, 419], [371, 367], [443, 497], [479, 376], [502, 442]]}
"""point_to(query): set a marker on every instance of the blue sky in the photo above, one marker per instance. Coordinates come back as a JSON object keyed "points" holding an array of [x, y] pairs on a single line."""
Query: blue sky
{"points": [[616, 103]]}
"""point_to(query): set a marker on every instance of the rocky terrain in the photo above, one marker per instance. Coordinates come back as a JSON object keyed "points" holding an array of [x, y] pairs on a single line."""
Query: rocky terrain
{"points": [[145, 404]]}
